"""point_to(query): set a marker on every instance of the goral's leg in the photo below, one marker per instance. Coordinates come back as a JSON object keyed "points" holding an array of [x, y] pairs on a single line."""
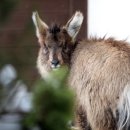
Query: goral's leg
{"points": [[81, 118]]}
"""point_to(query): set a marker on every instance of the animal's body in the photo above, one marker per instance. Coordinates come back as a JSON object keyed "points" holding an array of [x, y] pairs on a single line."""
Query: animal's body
{"points": [[99, 72]]}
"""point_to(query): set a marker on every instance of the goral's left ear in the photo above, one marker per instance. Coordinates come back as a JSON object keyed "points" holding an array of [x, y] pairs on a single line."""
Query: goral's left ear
{"points": [[74, 24]]}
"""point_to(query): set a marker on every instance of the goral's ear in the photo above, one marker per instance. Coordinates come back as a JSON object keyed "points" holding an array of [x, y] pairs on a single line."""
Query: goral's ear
{"points": [[74, 24], [41, 27]]}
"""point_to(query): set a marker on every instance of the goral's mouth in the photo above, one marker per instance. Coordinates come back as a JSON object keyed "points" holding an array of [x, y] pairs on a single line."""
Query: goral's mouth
{"points": [[54, 67]]}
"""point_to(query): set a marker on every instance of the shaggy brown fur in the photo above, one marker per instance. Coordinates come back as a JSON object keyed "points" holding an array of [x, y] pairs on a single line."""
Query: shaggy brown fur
{"points": [[99, 75]]}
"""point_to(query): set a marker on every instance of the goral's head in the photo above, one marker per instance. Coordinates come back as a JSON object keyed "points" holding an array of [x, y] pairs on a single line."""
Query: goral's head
{"points": [[57, 42]]}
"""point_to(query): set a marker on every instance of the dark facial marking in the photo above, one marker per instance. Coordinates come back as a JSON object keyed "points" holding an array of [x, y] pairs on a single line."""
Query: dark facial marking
{"points": [[54, 30]]}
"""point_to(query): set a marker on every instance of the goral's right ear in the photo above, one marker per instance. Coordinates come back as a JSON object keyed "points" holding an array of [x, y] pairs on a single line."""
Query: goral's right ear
{"points": [[41, 27], [74, 24]]}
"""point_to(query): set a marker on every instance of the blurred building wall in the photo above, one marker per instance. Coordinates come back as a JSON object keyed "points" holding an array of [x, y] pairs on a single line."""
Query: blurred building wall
{"points": [[109, 17]]}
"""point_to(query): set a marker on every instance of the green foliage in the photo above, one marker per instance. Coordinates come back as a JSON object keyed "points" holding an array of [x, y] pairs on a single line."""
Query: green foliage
{"points": [[53, 102]]}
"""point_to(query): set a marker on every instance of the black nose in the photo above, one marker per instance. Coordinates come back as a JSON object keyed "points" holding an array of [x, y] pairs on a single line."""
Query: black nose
{"points": [[55, 62]]}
